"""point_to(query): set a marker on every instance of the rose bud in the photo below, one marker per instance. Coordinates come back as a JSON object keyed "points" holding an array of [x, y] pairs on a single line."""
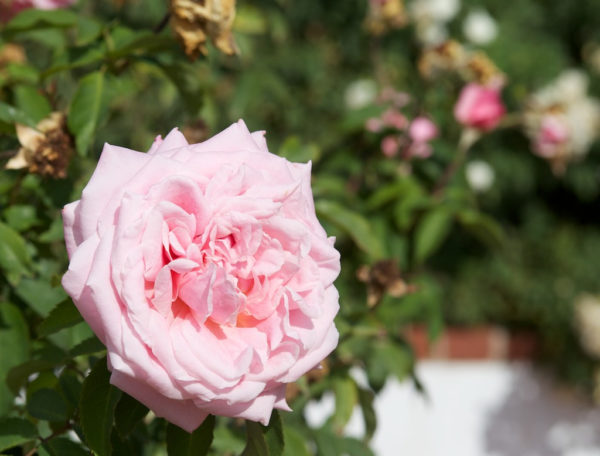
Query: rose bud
{"points": [[479, 107]]}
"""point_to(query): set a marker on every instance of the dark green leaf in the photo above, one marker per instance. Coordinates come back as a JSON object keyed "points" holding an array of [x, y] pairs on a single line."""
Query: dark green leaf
{"points": [[64, 315], [255, 440], [366, 398], [32, 19], [14, 257], [264, 441], [85, 110], [15, 431], [13, 334], [353, 224], [40, 295], [431, 232], [17, 376], [87, 347], [62, 446], [47, 404], [96, 408], [128, 413], [482, 226], [274, 435], [70, 386], [29, 100], [12, 115], [182, 443], [346, 397]]}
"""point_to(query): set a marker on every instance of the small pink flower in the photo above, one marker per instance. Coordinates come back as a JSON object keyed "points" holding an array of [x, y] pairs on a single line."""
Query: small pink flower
{"points": [[9, 9], [553, 134], [374, 125], [398, 99], [479, 107], [422, 130], [390, 146], [395, 119]]}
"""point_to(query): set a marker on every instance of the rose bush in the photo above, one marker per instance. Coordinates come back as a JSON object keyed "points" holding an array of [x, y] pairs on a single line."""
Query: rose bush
{"points": [[205, 272]]}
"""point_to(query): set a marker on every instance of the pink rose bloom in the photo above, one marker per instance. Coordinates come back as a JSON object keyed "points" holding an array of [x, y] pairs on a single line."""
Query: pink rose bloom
{"points": [[205, 272], [422, 130], [479, 107], [374, 125], [9, 8], [390, 145], [551, 138]]}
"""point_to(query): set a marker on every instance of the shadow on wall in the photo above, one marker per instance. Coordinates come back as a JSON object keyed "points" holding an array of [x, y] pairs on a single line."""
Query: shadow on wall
{"points": [[538, 418]]}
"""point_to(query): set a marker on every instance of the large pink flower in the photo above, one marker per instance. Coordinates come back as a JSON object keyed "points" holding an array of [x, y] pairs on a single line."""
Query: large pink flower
{"points": [[479, 107], [10, 8], [205, 272]]}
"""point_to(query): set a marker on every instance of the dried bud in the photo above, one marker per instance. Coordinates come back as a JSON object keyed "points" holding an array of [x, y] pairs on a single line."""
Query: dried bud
{"points": [[12, 53], [481, 69], [196, 132], [195, 20], [46, 149], [385, 15], [383, 277]]}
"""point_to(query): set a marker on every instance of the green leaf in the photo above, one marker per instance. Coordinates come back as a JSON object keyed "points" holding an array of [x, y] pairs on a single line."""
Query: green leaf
{"points": [[274, 435], [128, 413], [190, 84], [14, 257], [70, 387], [13, 334], [295, 443], [346, 397], [295, 151], [255, 440], [33, 19], [431, 233], [354, 224], [11, 115], [29, 100], [264, 441], [85, 110], [21, 217], [366, 399], [16, 431], [484, 227], [97, 407], [47, 404], [388, 359], [62, 446], [17, 376], [182, 443], [40, 295], [64, 315], [87, 347]]}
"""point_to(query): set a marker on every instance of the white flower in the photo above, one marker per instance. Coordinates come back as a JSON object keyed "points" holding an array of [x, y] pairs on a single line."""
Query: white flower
{"points": [[480, 175], [436, 10], [479, 27], [360, 93], [587, 322]]}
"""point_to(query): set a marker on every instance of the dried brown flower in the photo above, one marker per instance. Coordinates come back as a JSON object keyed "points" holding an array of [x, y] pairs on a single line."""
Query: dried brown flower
{"points": [[383, 277], [384, 15], [46, 149], [195, 20]]}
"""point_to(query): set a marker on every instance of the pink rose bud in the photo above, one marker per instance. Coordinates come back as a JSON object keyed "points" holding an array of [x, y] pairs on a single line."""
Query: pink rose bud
{"points": [[479, 107], [9, 8], [395, 119], [390, 145], [374, 125], [552, 135], [422, 130], [205, 272]]}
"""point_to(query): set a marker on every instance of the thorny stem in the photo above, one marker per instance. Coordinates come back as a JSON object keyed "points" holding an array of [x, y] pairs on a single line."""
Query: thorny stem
{"points": [[43, 440], [162, 24]]}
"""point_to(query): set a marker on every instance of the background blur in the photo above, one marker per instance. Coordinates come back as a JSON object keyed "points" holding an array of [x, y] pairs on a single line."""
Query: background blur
{"points": [[478, 245]]}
